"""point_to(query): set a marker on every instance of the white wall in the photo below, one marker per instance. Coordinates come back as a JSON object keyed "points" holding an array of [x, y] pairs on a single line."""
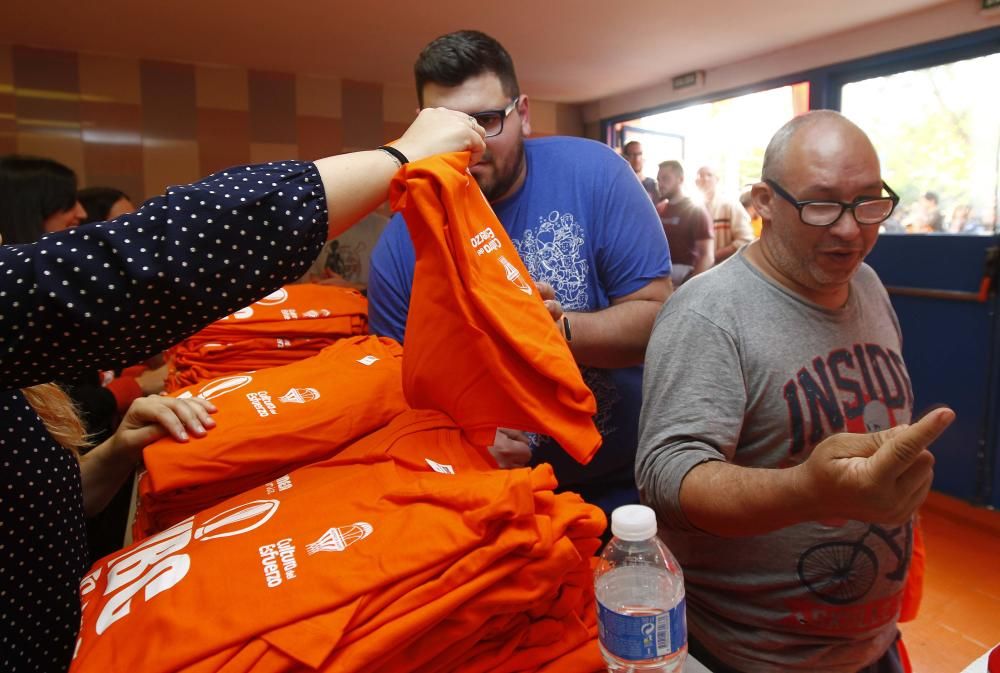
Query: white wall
{"points": [[951, 18]]}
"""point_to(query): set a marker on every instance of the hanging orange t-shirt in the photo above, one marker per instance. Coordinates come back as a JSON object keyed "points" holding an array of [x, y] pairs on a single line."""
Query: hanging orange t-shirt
{"points": [[475, 310]]}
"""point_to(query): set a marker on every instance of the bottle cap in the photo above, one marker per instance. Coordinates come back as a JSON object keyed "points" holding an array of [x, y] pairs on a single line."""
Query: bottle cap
{"points": [[633, 523]]}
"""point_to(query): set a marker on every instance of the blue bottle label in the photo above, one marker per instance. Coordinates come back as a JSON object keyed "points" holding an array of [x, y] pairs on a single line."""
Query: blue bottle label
{"points": [[637, 637]]}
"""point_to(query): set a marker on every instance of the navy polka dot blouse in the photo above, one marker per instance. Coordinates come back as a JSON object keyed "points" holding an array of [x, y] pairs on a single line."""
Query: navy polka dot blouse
{"points": [[107, 295]]}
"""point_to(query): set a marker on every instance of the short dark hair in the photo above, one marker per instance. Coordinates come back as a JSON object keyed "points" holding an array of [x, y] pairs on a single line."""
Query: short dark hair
{"points": [[931, 196], [32, 189], [673, 166], [97, 201], [453, 58]]}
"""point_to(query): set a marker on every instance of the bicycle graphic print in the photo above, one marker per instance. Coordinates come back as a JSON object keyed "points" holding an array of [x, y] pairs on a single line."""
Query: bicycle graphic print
{"points": [[842, 572]]}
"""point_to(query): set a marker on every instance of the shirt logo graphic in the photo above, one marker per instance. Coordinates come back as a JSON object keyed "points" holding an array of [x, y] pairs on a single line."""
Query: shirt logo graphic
{"points": [[221, 386], [237, 520], [279, 296], [300, 395], [339, 539], [514, 276], [368, 360]]}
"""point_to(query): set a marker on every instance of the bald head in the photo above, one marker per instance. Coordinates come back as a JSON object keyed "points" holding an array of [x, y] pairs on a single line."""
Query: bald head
{"points": [[817, 131], [819, 156]]}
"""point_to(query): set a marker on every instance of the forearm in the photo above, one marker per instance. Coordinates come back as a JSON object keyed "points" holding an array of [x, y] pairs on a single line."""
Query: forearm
{"points": [[705, 258], [103, 470], [615, 336], [732, 501], [355, 184]]}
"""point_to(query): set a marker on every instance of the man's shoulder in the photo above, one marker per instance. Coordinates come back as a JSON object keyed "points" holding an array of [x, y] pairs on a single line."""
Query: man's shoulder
{"points": [[867, 281], [561, 147]]}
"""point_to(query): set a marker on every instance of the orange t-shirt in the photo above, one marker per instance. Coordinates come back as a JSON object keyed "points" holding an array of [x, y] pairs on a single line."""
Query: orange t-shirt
{"points": [[274, 557], [296, 308], [480, 345], [294, 322], [272, 421]]}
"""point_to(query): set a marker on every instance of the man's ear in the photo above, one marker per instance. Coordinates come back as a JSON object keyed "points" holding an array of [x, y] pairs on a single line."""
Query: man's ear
{"points": [[523, 113], [762, 198]]}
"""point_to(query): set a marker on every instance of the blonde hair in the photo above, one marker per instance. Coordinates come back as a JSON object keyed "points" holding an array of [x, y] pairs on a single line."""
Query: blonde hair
{"points": [[59, 414]]}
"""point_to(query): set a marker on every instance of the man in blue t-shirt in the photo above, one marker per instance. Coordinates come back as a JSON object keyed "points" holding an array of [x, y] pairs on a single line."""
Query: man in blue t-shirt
{"points": [[582, 224]]}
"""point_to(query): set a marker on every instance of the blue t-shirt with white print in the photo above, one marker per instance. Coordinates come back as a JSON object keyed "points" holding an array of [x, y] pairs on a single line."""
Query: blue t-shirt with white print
{"points": [[582, 223]]}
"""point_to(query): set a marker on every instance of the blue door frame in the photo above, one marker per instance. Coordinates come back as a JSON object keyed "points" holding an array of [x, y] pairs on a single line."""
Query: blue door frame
{"points": [[950, 323]]}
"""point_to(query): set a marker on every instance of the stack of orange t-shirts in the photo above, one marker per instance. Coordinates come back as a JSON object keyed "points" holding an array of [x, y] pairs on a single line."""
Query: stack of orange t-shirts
{"points": [[404, 551], [269, 422], [288, 325], [406, 555]]}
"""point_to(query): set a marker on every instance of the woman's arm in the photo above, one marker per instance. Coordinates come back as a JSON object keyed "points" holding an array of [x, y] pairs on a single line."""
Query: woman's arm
{"points": [[107, 294], [104, 468]]}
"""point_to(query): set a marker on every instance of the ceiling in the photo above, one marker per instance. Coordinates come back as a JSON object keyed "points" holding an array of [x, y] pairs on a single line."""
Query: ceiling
{"points": [[564, 50]]}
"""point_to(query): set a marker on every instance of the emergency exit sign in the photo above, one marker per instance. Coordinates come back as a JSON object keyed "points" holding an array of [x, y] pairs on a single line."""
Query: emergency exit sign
{"points": [[696, 78]]}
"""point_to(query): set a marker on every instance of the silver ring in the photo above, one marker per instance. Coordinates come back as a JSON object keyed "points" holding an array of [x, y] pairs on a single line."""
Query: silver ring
{"points": [[473, 120]]}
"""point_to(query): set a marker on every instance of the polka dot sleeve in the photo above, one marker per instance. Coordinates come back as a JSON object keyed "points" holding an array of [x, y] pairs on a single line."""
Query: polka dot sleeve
{"points": [[110, 294]]}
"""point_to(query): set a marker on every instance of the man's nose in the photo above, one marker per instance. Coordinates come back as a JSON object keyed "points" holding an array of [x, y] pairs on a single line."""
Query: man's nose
{"points": [[846, 227]]}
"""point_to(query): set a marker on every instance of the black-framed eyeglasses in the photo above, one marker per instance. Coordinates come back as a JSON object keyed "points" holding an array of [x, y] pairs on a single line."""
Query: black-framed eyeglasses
{"points": [[492, 120], [823, 212]]}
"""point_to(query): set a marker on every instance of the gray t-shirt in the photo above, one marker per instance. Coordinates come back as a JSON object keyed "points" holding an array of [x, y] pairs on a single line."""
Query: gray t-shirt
{"points": [[741, 369]]}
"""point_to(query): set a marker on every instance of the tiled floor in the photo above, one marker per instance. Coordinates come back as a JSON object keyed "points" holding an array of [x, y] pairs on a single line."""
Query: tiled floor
{"points": [[959, 618]]}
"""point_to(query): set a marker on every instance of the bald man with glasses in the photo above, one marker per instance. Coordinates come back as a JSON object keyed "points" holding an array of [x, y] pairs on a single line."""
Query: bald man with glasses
{"points": [[795, 538]]}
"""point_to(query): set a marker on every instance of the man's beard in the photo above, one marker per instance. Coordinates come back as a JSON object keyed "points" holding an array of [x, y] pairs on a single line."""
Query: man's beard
{"points": [[503, 182]]}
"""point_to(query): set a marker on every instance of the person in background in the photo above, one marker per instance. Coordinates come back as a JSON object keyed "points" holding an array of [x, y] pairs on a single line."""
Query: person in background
{"points": [[105, 294], [756, 223], [778, 521], [688, 226], [38, 196], [932, 208], [924, 216], [587, 233], [633, 155], [104, 203], [729, 218]]}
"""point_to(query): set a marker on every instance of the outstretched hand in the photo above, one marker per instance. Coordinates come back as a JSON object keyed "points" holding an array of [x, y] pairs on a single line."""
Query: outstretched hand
{"points": [[439, 130], [881, 477]]}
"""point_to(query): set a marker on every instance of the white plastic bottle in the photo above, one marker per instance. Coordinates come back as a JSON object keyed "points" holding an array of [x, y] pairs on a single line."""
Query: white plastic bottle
{"points": [[641, 621]]}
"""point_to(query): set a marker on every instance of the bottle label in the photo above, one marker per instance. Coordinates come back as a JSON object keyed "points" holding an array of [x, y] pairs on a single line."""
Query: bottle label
{"points": [[642, 636]]}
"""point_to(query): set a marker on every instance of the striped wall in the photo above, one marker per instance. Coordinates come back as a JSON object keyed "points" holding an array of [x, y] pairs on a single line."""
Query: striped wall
{"points": [[141, 125]]}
